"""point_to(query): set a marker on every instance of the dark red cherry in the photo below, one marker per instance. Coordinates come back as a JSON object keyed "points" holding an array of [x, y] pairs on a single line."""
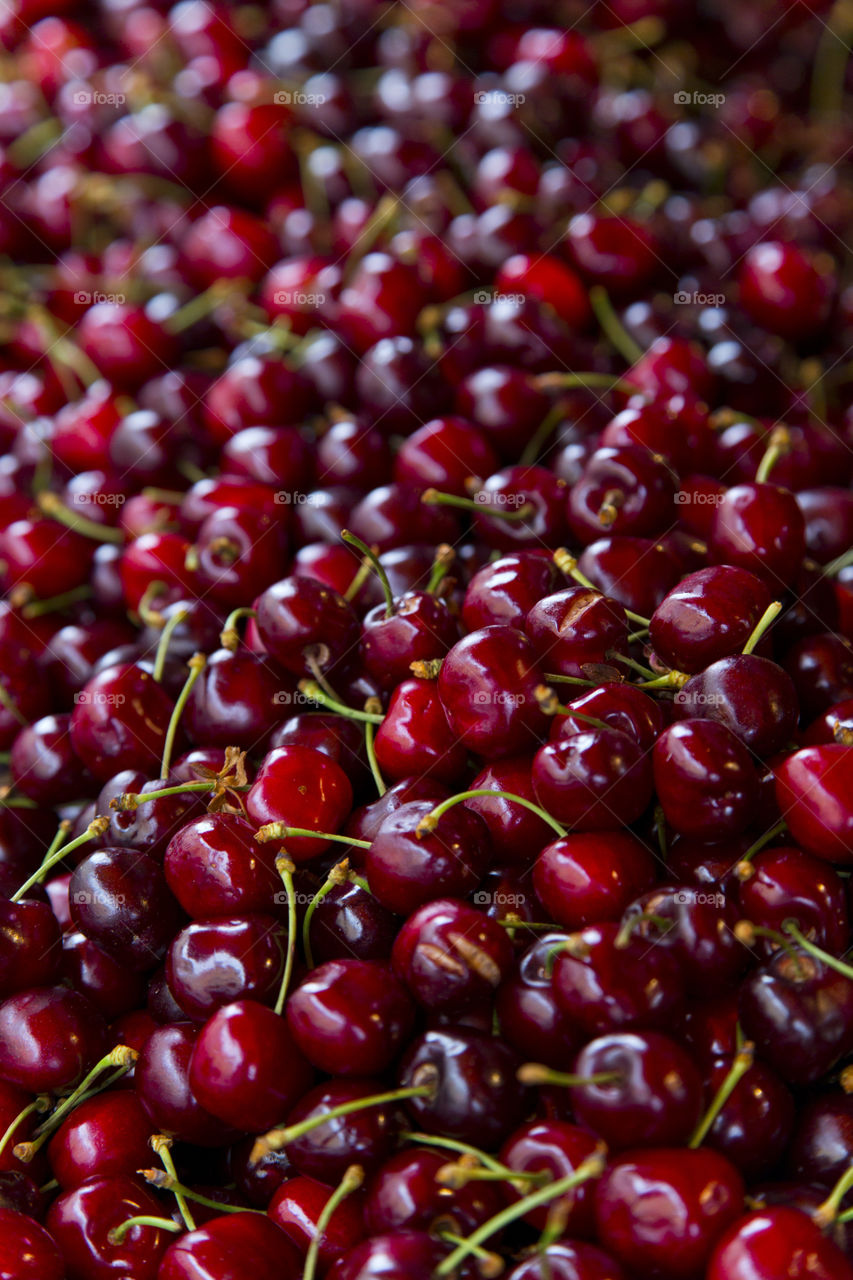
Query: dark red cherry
{"points": [[786, 289], [406, 869], [103, 1136], [588, 877], [557, 1149], [353, 453], [445, 454], [812, 791], [300, 787], [300, 621], [635, 571], [43, 557], [350, 922], [623, 490], [534, 496], [119, 899], [402, 1255], [236, 553], [81, 1222], [365, 1137], [451, 957], [654, 1098], [120, 721], [697, 926], [576, 627], [614, 252], [476, 1096], [296, 1207], [593, 781], [399, 386], [661, 1212], [27, 1251], [515, 832], [505, 404], [124, 343], [43, 764], [821, 667], [704, 779], [505, 590], [350, 1017], [150, 826], [276, 456], [49, 1036], [418, 628], [759, 527], [575, 1261], [602, 985], [30, 945], [227, 243], [622, 706], [529, 1016], [750, 695], [380, 301], [245, 1067], [710, 615], [403, 1195], [214, 866], [487, 684], [245, 1246], [162, 1082], [211, 963], [820, 1149], [415, 737], [775, 1242], [110, 986], [754, 1126], [788, 884]]}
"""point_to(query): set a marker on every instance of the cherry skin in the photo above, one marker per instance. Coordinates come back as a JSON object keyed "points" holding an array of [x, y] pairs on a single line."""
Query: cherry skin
{"points": [[704, 778], [297, 1205], [162, 1082], [486, 684], [754, 1127], [635, 571], [774, 1242], [30, 945], [246, 1246], [477, 1097], [415, 737], [576, 627], [790, 885], [120, 721], [593, 781], [420, 628], [211, 963], [27, 1251], [103, 1137], [709, 615], [821, 1145], [821, 667], [49, 1036], [575, 1261], [655, 1099], [350, 922], [451, 957], [350, 1017], [81, 1220], [504, 591], [246, 1068], [602, 987], [586, 877], [750, 695], [661, 1212], [444, 454], [403, 1195], [406, 870], [785, 289], [557, 1149], [214, 866], [622, 706], [365, 1137], [300, 787], [119, 899], [812, 791], [626, 490], [403, 1255], [515, 832], [299, 618], [530, 1019], [697, 927]]}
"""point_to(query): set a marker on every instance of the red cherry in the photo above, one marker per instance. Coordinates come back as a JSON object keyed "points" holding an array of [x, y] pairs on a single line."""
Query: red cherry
{"points": [[812, 791], [773, 1242]]}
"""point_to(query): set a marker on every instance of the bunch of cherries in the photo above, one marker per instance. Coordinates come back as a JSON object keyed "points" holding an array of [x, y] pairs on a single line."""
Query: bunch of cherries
{"points": [[426, 680]]}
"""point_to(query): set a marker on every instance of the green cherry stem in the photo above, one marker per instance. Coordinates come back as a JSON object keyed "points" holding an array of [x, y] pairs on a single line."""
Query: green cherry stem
{"points": [[229, 636], [567, 563], [542, 435], [592, 1167], [778, 445], [337, 875], [435, 498], [768, 616], [37, 1107], [38, 608], [117, 1235], [161, 1145], [742, 1062], [551, 705], [378, 568], [353, 1178], [121, 1058], [285, 869], [54, 508], [827, 1212], [95, 828], [196, 664], [444, 557], [453, 1144], [370, 750], [175, 621], [312, 690], [432, 819], [612, 327], [792, 929], [489, 1265], [278, 831], [167, 1182], [764, 840], [536, 1073], [279, 1138]]}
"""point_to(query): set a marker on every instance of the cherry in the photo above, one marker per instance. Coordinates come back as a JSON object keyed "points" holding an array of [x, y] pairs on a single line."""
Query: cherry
{"points": [[103, 1137], [528, 1013], [120, 720], [789, 884], [555, 1149], [576, 627], [353, 453], [575, 1261], [504, 403], [821, 667], [637, 572], [402, 1255], [407, 867], [214, 866], [246, 1068], [327, 1147], [450, 956], [303, 788], [662, 1211], [710, 615], [759, 527], [398, 385], [593, 781], [162, 1082], [704, 779], [119, 899], [586, 877], [125, 344], [82, 1222], [350, 922], [152, 823], [773, 1242], [785, 289], [641, 1090], [486, 685], [751, 696], [445, 453], [235, 554], [414, 628], [754, 1126], [243, 1245], [622, 706], [415, 737], [211, 963], [811, 791], [30, 951], [380, 301], [254, 391], [350, 1017], [297, 1206], [302, 622], [27, 1251], [820, 1147], [616, 253], [505, 590], [625, 490], [48, 1038], [112, 988]]}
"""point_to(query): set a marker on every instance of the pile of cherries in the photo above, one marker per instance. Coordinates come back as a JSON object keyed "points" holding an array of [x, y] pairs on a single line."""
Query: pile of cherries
{"points": [[426, 680]]}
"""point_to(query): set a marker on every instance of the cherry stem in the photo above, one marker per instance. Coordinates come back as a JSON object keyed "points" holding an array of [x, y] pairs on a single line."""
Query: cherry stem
{"points": [[827, 1213], [435, 498], [196, 664], [458, 1174], [360, 576], [353, 1178], [764, 840], [161, 1145], [778, 446], [835, 566], [167, 1182], [592, 1167], [179, 616], [121, 1058], [742, 1062], [278, 831], [95, 829], [229, 636], [378, 568], [38, 608], [629, 927], [38, 1106], [792, 929], [431, 820], [567, 563], [538, 1073], [285, 868], [551, 705], [746, 933], [769, 615], [370, 751], [52, 506], [587, 381], [444, 557], [338, 874], [554, 677], [612, 327], [8, 703], [829, 67], [133, 799], [453, 1144], [638, 635], [312, 691], [669, 680], [542, 434], [489, 1265], [116, 1236], [279, 1138], [203, 304], [145, 609]]}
